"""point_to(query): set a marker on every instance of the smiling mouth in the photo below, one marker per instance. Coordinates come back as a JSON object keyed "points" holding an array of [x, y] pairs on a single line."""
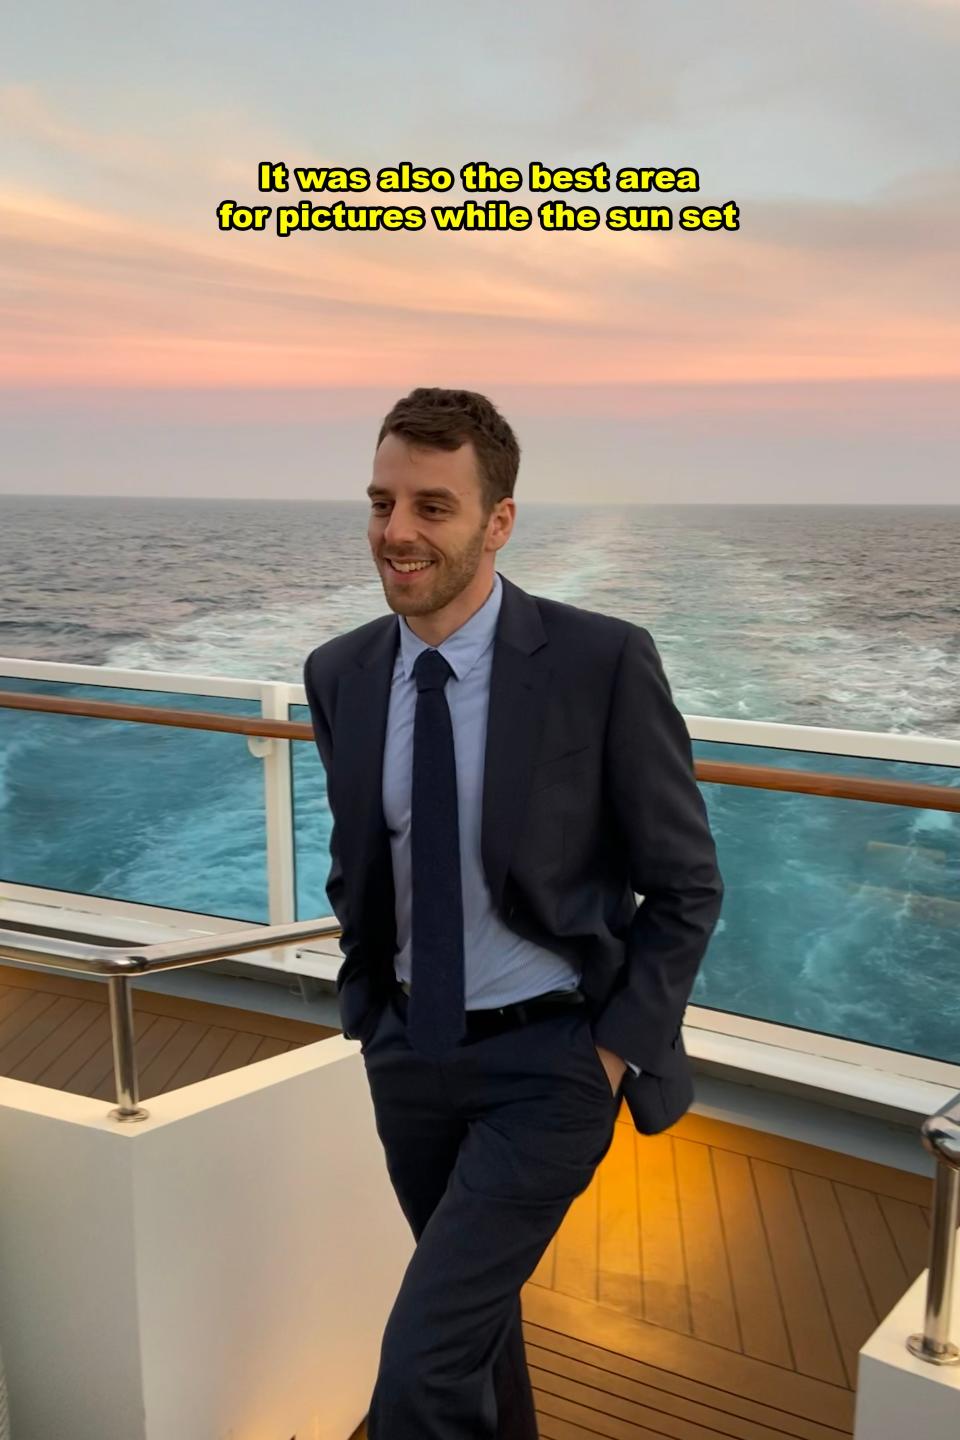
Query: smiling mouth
{"points": [[408, 567]]}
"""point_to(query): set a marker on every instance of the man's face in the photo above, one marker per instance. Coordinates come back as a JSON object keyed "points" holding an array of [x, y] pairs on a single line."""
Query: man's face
{"points": [[426, 506]]}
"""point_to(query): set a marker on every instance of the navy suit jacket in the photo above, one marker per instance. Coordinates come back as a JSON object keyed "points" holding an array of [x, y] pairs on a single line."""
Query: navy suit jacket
{"points": [[589, 796]]}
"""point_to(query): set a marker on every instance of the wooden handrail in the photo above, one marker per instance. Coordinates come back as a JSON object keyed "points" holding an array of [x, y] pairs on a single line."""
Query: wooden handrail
{"points": [[837, 787], [156, 715], [716, 772]]}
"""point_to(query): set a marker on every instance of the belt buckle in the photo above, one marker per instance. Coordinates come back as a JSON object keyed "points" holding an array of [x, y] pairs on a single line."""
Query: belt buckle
{"points": [[499, 1018]]}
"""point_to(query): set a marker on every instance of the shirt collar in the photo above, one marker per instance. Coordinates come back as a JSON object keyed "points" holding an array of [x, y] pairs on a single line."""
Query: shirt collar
{"points": [[464, 647]]}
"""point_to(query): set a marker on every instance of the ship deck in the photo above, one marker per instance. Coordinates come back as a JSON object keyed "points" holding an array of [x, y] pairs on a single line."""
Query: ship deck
{"points": [[55, 1031], [713, 1281]]}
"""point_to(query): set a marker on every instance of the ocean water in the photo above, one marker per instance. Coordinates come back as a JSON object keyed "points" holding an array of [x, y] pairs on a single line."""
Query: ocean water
{"points": [[818, 615], [839, 916]]}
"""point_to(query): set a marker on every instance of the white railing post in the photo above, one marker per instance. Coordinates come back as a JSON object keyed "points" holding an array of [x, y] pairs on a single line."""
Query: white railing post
{"points": [[278, 799]]}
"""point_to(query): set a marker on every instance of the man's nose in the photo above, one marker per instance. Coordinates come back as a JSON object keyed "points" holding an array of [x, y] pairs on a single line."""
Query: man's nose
{"points": [[401, 528]]}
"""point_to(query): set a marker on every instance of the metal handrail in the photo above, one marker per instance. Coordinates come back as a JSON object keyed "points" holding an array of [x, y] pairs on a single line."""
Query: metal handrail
{"points": [[762, 777], [941, 1136], [120, 962]]}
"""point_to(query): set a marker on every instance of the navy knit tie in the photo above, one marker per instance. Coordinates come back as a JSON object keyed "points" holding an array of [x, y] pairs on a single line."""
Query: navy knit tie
{"points": [[435, 1015]]}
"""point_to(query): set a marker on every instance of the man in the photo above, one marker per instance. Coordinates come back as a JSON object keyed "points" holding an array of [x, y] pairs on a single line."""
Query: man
{"points": [[506, 774]]}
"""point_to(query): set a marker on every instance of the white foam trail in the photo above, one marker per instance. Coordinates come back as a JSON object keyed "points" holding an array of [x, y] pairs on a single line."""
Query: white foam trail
{"points": [[266, 644]]}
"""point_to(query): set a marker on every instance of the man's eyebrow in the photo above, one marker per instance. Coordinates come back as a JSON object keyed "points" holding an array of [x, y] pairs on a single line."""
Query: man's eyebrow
{"points": [[438, 493]]}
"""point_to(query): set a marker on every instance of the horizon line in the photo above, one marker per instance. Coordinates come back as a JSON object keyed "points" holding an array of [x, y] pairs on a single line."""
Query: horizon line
{"points": [[531, 504]]}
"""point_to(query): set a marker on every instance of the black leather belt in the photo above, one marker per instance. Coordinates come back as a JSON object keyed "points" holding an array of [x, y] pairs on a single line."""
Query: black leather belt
{"points": [[504, 1017]]}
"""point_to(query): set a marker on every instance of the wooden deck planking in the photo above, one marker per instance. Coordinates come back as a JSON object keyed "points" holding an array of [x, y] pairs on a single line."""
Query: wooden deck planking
{"points": [[45, 1053], [99, 1063], [883, 1269], [665, 1296], [203, 1057], [55, 1031], [23, 1014], [62, 1066], [729, 1382], [811, 1159], [619, 1267], [577, 1258], [712, 1310], [550, 1353], [759, 1307], [910, 1228], [755, 1270], [10, 998], [810, 1328], [570, 1408], [17, 1046], [270, 1045], [151, 1041], [160, 1073], [848, 1300]]}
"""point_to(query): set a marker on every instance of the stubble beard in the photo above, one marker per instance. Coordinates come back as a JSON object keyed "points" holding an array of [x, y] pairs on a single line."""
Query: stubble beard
{"points": [[449, 578]]}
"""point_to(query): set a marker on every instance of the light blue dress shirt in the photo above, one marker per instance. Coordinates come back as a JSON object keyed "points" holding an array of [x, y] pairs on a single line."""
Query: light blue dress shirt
{"points": [[499, 966]]}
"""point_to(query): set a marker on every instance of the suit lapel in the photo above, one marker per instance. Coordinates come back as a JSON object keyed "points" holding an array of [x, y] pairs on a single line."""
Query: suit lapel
{"points": [[518, 691], [519, 682]]}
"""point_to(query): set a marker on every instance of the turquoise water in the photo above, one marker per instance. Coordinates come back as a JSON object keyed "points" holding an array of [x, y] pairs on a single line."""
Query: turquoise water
{"points": [[839, 916]]}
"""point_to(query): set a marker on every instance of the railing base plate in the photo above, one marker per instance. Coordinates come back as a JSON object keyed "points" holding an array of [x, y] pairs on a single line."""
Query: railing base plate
{"points": [[950, 1355]]}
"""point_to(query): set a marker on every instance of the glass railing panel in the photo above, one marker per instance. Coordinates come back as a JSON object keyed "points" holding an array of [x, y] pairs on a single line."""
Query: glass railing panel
{"points": [[141, 813], [840, 916]]}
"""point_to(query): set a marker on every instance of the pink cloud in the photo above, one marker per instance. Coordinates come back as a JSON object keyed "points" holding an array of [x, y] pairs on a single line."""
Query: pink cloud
{"points": [[801, 292]]}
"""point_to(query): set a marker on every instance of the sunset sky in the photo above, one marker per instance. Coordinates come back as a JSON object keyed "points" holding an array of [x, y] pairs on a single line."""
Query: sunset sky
{"points": [[812, 355]]}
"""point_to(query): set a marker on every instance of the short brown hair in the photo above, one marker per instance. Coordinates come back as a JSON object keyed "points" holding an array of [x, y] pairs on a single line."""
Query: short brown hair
{"points": [[446, 419]]}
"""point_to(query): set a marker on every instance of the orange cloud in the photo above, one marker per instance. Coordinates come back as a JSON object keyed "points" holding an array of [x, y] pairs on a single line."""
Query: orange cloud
{"points": [[801, 292]]}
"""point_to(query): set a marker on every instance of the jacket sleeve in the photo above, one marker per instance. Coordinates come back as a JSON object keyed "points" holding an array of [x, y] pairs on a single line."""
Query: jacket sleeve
{"points": [[354, 992], [322, 735], [661, 820]]}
